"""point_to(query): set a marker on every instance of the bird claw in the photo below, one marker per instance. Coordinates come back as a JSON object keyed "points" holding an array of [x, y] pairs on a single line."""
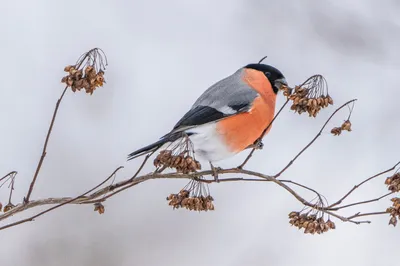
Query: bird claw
{"points": [[215, 172], [258, 145]]}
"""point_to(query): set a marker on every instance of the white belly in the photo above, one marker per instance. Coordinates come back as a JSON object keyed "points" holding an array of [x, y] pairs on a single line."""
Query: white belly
{"points": [[208, 144]]}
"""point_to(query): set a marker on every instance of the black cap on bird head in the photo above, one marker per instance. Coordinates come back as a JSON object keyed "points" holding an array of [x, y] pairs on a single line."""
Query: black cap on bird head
{"points": [[275, 77]]}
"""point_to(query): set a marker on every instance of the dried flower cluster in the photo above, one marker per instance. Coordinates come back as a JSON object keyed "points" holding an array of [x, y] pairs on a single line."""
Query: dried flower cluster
{"points": [[98, 207], [87, 78], [310, 223], [195, 203], [310, 97], [87, 73], [195, 196], [394, 211], [182, 162], [393, 182], [336, 131], [305, 100]]}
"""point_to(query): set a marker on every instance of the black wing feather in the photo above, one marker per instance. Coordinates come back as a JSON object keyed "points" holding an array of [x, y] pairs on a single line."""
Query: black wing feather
{"points": [[200, 115]]}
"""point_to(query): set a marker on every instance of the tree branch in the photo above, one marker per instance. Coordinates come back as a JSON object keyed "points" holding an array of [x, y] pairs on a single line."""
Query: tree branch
{"points": [[59, 205], [44, 152], [314, 139]]}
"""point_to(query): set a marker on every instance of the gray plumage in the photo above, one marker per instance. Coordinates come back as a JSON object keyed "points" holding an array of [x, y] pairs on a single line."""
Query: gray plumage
{"points": [[225, 98]]}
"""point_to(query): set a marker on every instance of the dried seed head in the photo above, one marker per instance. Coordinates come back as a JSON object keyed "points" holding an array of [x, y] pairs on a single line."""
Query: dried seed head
{"points": [[393, 182], [346, 125], [98, 207], [68, 68], [8, 207], [336, 131], [393, 221], [310, 97], [286, 91], [331, 224], [89, 68], [183, 164], [394, 211], [310, 223], [1, 206], [193, 197]]}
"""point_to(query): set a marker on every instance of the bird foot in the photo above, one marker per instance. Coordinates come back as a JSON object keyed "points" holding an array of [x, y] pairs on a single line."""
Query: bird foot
{"points": [[258, 145], [215, 172]]}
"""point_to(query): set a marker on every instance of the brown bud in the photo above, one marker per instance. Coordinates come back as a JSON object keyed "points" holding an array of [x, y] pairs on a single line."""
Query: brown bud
{"points": [[314, 102], [68, 68], [170, 197], [326, 101], [393, 221], [304, 101], [70, 81], [346, 125], [88, 70], [198, 165], [336, 131], [8, 207], [330, 224], [73, 71], [78, 84], [78, 74], [99, 208], [330, 100]]}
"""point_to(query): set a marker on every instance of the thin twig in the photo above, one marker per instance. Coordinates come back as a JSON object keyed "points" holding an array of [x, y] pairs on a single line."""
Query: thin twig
{"points": [[11, 188], [360, 202], [9, 174], [365, 214], [303, 186], [28, 195], [60, 205], [360, 184], [82, 59], [314, 139]]}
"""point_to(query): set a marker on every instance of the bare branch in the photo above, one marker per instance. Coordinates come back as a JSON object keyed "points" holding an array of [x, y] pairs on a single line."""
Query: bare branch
{"points": [[59, 205], [360, 202], [360, 184], [314, 139], [43, 155]]}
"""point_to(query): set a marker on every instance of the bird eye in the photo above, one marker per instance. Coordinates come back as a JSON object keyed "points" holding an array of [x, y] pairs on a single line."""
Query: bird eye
{"points": [[268, 74]]}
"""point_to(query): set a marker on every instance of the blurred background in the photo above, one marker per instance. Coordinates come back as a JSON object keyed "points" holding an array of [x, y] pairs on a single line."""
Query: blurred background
{"points": [[162, 56]]}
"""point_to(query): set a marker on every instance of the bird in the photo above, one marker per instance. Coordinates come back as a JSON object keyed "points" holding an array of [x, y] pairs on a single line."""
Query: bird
{"points": [[229, 117]]}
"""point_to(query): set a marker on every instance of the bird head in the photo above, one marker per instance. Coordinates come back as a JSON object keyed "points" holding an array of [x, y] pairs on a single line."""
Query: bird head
{"points": [[275, 77]]}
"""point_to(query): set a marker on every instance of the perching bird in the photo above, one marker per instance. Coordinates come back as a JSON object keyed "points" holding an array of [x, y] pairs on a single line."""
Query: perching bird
{"points": [[228, 117]]}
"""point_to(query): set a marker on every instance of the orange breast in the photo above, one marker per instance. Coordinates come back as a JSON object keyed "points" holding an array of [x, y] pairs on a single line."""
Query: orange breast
{"points": [[240, 131]]}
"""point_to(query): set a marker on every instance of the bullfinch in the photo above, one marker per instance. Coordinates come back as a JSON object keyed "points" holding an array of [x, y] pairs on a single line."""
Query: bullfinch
{"points": [[229, 116]]}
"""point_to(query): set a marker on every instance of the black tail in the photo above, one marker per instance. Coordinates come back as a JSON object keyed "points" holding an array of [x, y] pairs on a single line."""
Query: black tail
{"points": [[149, 148]]}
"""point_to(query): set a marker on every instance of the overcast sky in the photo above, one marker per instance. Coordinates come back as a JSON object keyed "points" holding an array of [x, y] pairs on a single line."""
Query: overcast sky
{"points": [[162, 56]]}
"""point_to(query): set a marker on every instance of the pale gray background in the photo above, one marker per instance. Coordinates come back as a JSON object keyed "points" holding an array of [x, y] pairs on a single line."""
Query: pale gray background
{"points": [[162, 56]]}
